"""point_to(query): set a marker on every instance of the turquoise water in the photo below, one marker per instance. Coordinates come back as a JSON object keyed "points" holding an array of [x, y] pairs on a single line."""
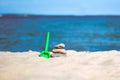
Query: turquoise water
{"points": [[81, 33]]}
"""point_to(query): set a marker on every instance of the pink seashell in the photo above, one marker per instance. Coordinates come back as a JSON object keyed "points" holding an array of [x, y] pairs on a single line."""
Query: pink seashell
{"points": [[59, 51]]}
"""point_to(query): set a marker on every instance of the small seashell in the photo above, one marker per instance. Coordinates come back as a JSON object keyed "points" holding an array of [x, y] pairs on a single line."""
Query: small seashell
{"points": [[59, 46], [59, 51]]}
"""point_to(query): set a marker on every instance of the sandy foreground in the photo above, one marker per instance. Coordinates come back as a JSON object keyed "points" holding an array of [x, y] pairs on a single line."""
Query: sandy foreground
{"points": [[76, 66]]}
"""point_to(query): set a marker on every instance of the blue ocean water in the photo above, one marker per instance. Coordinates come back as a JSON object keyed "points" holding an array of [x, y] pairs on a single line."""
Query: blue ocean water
{"points": [[81, 33]]}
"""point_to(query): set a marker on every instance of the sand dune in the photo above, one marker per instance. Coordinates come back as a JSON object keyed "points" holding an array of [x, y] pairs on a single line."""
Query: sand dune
{"points": [[76, 66]]}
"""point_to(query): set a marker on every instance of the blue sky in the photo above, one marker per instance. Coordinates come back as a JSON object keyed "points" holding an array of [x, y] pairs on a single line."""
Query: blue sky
{"points": [[61, 7]]}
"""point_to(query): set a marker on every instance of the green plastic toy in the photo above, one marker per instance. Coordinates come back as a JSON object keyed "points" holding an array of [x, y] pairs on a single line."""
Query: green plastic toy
{"points": [[46, 53]]}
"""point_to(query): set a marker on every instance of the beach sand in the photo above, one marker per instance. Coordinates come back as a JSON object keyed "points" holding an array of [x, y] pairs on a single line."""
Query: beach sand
{"points": [[103, 65]]}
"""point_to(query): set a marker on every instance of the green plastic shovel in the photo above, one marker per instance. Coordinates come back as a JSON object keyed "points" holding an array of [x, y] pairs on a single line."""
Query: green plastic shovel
{"points": [[46, 53]]}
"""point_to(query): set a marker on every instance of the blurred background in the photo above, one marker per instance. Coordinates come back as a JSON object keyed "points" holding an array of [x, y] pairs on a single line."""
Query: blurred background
{"points": [[81, 25]]}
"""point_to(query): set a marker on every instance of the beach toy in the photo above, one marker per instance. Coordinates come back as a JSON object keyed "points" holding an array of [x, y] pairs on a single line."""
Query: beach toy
{"points": [[46, 53]]}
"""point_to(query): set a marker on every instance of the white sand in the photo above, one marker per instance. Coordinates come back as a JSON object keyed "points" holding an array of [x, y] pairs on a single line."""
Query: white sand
{"points": [[76, 66]]}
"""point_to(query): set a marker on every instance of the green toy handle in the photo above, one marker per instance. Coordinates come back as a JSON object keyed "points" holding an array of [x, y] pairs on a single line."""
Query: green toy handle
{"points": [[47, 41]]}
